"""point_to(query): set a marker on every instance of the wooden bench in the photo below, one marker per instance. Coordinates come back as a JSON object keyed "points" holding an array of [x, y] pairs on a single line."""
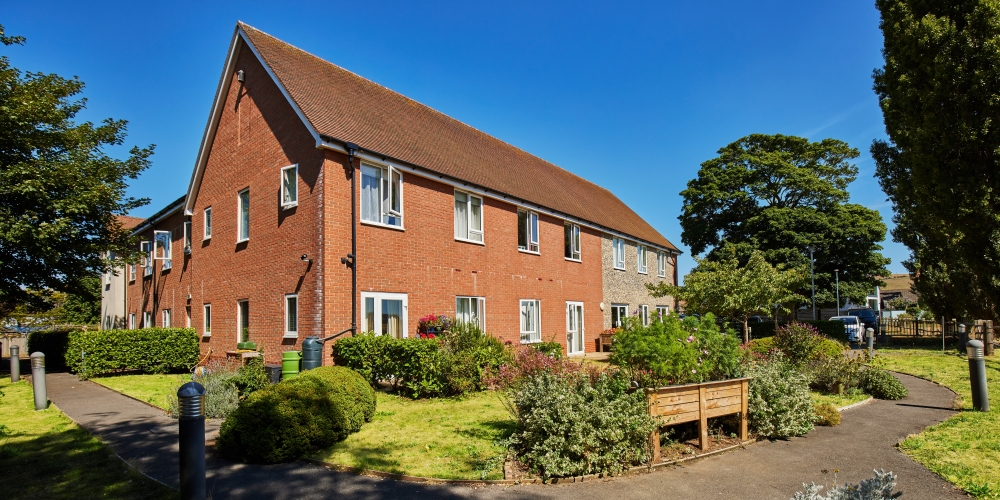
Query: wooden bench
{"points": [[678, 404]]}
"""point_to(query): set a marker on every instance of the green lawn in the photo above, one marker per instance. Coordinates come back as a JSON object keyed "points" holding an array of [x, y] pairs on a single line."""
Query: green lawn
{"points": [[837, 400], [450, 438], [153, 389], [964, 449], [43, 454]]}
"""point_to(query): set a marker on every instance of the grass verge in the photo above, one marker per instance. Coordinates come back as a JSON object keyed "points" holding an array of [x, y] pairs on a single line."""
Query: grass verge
{"points": [[837, 400], [43, 454], [446, 438], [153, 389], [965, 449]]}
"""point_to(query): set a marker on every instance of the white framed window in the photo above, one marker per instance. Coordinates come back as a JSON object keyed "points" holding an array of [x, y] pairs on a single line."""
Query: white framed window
{"points": [[468, 217], [381, 195], [187, 238], [243, 320], [161, 248], [243, 216], [574, 328], [618, 314], [661, 264], [207, 225], [662, 311], [641, 257], [571, 240], [166, 318], [206, 320], [531, 321], [618, 252], [146, 247], [290, 186], [644, 314], [131, 272], [527, 231], [471, 310], [131, 321], [384, 313], [147, 319], [292, 315]]}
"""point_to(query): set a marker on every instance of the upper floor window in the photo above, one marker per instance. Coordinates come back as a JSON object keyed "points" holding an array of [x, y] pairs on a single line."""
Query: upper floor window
{"points": [[161, 248], [187, 237], [468, 217], [207, 230], [290, 186], [527, 230], [571, 238], [381, 195], [131, 272], [641, 258], [661, 264], [146, 247], [531, 330], [618, 251], [243, 221]]}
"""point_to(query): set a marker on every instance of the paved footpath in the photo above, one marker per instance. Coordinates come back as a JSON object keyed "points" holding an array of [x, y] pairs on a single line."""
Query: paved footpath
{"points": [[768, 470]]}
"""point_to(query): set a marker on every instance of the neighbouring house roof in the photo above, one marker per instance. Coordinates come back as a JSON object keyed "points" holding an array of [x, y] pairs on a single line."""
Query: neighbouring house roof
{"points": [[128, 222], [162, 214], [342, 106]]}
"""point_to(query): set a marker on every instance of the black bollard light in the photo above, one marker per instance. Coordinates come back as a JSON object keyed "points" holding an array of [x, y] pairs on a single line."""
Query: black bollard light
{"points": [[15, 363], [191, 410], [38, 380], [977, 376]]}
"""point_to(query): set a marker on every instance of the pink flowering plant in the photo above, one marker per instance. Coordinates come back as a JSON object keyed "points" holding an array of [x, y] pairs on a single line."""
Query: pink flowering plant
{"points": [[672, 351], [433, 323]]}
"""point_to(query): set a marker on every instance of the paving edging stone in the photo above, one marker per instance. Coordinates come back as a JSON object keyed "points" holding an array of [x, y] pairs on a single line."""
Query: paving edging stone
{"points": [[855, 405]]}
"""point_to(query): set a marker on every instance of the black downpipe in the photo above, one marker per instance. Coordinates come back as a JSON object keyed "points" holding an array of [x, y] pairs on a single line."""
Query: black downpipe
{"points": [[351, 259]]}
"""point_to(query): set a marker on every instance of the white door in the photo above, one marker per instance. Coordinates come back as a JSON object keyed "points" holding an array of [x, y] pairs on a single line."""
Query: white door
{"points": [[384, 314], [574, 327]]}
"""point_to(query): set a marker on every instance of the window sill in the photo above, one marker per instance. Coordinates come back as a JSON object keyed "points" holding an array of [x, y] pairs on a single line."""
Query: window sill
{"points": [[206, 238], [616, 268], [661, 275], [286, 206], [642, 272], [474, 242], [379, 224], [574, 260], [293, 335], [526, 342], [207, 334], [244, 240], [536, 252]]}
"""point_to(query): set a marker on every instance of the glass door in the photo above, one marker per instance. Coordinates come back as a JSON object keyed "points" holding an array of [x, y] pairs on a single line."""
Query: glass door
{"points": [[574, 328]]}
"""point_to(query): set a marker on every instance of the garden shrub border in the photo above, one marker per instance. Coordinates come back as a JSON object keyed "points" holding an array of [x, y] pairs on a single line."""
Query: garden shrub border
{"points": [[827, 328], [148, 350]]}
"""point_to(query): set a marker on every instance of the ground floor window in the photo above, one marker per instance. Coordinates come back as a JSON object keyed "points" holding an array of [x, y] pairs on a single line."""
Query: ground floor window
{"points": [[131, 321], [243, 320], [644, 314], [147, 319], [384, 313], [531, 322], [618, 314], [292, 315], [207, 320], [662, 311], [166, 318], [471, 310]]}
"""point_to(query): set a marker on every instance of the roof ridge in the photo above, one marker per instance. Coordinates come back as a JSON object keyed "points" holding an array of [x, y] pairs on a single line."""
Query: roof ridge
{"points": [[487, 136]]}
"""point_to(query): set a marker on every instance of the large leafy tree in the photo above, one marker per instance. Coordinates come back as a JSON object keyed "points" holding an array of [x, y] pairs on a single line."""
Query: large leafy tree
{"points": [[60, 191], [728, 289], [940, 96], [781, 195]]}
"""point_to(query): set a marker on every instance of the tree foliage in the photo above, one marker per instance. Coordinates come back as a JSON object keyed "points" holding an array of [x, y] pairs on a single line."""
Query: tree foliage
{"points": [[60, 191], [939, 91], [780, 195], [725, 288]]}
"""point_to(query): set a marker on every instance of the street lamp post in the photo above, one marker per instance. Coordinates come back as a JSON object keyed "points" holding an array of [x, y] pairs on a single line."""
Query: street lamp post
{"points": [[837, 273], [812, 272]]}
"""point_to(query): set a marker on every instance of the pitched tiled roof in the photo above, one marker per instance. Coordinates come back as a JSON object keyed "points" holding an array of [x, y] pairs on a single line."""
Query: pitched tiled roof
{"points": [[344, 106], [128, 222]]}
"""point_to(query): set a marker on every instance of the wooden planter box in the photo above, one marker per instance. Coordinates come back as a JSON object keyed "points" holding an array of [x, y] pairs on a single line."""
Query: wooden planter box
{"points": [[678, 404], [241, 357]]}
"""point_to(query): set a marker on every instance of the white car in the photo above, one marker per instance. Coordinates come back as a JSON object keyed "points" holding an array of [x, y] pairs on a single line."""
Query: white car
{"points": [[852, 326]]}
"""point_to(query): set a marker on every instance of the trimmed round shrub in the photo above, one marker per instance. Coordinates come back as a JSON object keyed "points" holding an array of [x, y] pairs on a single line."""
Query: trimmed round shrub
{"points": [[830, 348], [282, 422], [761, 346], [827, 414], [780, 405], [350, 391], [798, 342], [881, 384]]}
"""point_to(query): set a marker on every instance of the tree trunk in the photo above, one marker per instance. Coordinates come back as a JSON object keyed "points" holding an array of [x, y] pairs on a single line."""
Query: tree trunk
{"points": [[746, 330]]}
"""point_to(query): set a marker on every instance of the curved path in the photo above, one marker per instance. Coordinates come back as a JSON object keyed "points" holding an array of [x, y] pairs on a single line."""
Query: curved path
{"points": [[865, 440]]}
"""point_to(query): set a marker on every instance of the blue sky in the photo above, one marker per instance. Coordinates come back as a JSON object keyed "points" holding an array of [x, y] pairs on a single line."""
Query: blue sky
{"points": [[632, 96]]}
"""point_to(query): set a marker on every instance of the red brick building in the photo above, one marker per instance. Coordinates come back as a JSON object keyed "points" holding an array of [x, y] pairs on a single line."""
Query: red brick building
{"points": [[449, 221]]}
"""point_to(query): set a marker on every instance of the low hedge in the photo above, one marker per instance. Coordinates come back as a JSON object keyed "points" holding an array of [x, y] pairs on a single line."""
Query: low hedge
{"points": [[284, 421], [148, 350], [832, 329], [53, 344]]}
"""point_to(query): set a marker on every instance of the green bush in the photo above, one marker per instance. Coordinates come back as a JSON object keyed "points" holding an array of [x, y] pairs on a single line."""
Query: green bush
{"points": [[226, 383], [830, 348], [552, 349], [798, 342], [569, 426], [761, 347], [53, 344], [149, 350], [827, 414], [284, 421], [881, 384], [251, 377], [834, 374], [779, 404], [826, 328], [350, 392], [675, 351]]}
